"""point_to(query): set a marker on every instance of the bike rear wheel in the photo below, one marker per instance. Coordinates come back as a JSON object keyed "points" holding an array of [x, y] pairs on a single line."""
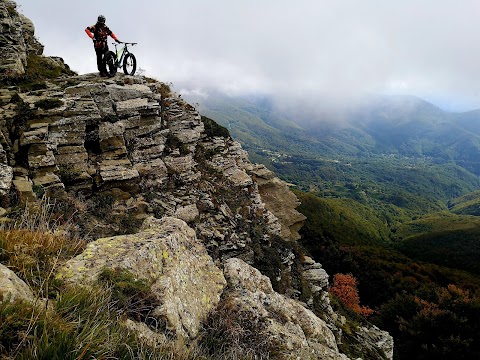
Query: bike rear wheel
{"points": [[129, 64], [110, 63]]}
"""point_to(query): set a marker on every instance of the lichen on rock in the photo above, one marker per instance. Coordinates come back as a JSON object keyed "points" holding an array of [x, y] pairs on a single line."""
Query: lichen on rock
{"points": [[167, 255], [290, 328], [12, 287]]}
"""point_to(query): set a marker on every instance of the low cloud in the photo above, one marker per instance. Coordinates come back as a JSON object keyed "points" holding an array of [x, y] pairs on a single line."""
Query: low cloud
{"points": [[342, 49]]}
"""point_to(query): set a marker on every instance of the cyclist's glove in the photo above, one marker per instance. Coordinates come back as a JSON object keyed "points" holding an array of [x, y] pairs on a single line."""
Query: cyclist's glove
{"points": [[118, 41]]}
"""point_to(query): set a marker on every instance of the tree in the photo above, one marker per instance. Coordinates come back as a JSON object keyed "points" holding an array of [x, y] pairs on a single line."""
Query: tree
{"points": [[345, 289]]}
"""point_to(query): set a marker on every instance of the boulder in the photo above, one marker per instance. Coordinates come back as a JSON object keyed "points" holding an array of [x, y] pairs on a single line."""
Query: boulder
{"points": [[12, 287], [290, 329], [381, 340], [6, 177], [187, 213], [167, 255]]}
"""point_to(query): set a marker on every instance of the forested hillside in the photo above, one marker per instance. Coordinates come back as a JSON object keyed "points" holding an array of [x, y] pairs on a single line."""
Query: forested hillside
{"points": [[391, 198], [432, 310]]}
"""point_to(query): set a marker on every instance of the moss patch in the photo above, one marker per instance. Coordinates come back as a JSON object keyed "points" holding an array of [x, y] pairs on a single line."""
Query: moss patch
{"points": [[47, 104], [132, 296], [212, 129], [38, 69]]}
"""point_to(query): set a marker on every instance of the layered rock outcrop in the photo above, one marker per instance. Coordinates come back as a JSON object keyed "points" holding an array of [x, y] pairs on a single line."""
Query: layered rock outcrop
{"points": [[115, 137], [17, 39], [115, 153]]}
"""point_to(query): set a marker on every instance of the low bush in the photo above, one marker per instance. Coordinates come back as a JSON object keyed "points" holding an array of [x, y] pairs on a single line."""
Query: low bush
{"points": [[132, 296], [35, 255], [213, 129], [165, 90], [233, 333], [47, 104], [83, 324], [68, 174]]}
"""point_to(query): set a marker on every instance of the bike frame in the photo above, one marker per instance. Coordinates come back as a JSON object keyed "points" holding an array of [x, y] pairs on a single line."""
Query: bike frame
{"points": [[121, 53]]}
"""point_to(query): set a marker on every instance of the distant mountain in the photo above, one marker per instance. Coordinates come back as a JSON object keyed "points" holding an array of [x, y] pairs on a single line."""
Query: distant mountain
{"points": [[402, 125], [399, 150], [468, 204], [408, 126], [254, 123]]}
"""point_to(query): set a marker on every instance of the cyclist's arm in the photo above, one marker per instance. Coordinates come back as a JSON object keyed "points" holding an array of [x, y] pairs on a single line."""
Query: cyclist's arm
{"points": [[89, 30], [114, 37]]}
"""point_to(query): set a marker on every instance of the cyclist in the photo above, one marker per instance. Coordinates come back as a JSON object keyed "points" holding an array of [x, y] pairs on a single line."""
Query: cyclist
{"points": [[99, 34]]}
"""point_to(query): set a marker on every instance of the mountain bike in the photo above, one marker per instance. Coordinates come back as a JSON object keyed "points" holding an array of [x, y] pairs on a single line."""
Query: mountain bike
{"points": [[121, 57]]}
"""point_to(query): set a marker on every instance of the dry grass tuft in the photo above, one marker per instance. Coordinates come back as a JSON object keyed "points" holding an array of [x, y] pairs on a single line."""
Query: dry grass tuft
{"points": [[231, 332], [34, 246]]}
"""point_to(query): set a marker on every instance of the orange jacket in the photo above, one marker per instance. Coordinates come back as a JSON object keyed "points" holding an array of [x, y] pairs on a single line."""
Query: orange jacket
{"points": [[100, 33]]}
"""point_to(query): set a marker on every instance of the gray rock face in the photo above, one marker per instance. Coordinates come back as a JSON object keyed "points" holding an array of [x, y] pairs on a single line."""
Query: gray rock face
{"points": [[289, 327], [168, 256], [12, 287], [17, 39], [6, 177], [279, 200], [381, 340], [316, 276]]}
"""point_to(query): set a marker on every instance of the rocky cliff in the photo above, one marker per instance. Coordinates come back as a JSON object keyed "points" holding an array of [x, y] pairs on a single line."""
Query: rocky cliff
{"points": [[167, 195]]}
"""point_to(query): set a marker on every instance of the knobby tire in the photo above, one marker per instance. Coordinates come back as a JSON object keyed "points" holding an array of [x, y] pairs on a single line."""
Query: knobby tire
{"points": [[129, 64], [110, 63]]}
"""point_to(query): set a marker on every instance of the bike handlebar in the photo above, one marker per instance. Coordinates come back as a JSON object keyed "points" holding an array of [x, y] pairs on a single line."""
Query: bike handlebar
{"points": [[126, 43]]}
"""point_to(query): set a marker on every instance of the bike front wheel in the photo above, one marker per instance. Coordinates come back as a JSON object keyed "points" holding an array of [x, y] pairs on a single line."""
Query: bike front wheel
{"points": [[129, 64], [110, 63]]}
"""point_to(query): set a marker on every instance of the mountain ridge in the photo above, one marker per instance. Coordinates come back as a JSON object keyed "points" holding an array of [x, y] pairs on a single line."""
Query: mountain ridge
{"points": [[393, 134]]}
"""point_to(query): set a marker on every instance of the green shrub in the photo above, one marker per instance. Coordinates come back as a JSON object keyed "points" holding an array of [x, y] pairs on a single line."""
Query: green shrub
{"points": [[213, 129], [15, 318], [41, 85], [47, 104], [132, 296], [231, 332], [68, 174], [38, 190], [23, 113]]}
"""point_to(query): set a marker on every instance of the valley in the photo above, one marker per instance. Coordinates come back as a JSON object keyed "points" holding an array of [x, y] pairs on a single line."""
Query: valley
{"points": [[391, 197]]}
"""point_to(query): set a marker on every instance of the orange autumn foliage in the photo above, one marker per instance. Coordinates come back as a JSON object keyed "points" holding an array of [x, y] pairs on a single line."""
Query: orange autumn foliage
{"points": [[345, 289]]}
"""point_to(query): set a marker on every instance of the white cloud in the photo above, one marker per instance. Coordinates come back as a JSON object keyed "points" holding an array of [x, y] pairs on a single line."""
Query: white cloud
{"points": [[341, 47]]}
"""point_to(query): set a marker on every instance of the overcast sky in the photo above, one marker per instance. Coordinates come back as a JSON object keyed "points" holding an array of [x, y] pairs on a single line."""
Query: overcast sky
{"points": [[314, 48]]}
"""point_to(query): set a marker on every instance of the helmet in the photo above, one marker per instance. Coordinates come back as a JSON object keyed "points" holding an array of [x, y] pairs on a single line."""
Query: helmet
{"points": [[101, 19]]}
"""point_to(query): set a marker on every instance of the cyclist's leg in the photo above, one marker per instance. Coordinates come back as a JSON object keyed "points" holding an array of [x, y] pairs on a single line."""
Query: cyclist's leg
{"points": [[100, 65], [101, 51]]}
